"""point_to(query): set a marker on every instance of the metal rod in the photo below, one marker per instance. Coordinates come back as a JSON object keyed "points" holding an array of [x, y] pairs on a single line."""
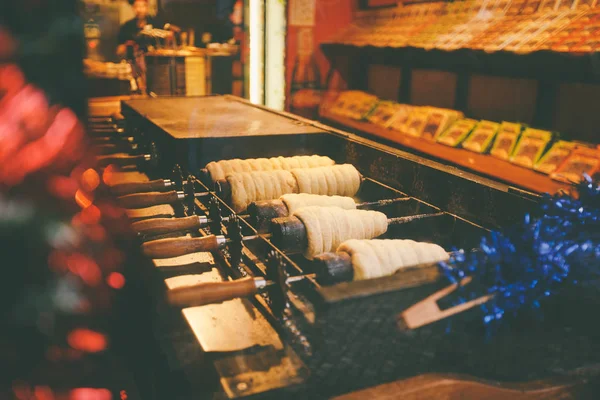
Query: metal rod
{"points": [[410, 218], [384, 202], [297, 278], [252, 237]]}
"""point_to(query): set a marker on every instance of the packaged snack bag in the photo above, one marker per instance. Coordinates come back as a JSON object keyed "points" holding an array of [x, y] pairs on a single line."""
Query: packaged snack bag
{"points": [[506, 140], [416, 121], [482, 136], [383, 113], [457, 132], [398, 121], [582, 160], [438, 121], [531, 146], [554, 157]]}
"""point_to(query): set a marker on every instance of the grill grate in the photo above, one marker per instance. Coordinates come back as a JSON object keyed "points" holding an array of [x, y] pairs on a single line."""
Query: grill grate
{"points": [[356, 342]]}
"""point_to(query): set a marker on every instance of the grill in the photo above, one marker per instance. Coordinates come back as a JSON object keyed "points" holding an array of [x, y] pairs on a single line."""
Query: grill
{"points": [[342, 337]]}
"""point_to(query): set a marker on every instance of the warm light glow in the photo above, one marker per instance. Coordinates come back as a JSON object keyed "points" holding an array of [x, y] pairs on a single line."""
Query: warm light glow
{"points": [[82, 199], [275, 54], [21, 391], [116, 280], [256, 33], [90, 394], [11, 78], [87, 340], [61, 186], [90, 215], [85, 268], [90, 180], [96, 233], [43, 393], [109, 174]]}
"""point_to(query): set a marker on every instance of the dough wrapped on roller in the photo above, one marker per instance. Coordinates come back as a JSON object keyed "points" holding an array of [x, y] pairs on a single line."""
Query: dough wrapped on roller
{"points": [[220, 169], [295, 201], [328, 227], [376, 258], [341, 180], [248, 187]]}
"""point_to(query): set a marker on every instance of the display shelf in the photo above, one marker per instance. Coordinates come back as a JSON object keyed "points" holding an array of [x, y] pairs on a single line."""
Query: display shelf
{"points": [[484, 164], [541, 65]]}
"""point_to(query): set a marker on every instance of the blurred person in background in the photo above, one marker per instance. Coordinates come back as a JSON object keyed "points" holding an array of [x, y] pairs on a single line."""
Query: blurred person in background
{"points": [[129, 33], [132, 45]]}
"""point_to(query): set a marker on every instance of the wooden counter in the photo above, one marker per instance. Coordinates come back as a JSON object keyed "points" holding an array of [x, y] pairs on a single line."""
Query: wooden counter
{"points": [[483, 164]]}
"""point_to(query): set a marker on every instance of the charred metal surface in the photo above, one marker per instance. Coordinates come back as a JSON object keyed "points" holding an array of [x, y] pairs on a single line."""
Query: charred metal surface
{"points": [[215, 116], [262, 212], [193, 131]]}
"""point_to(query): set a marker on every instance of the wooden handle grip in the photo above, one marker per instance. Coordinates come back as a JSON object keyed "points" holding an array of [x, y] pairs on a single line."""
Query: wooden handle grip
{"points": [[160, 226], [211, 292], [142, 200], [174, 247], [110, 148], [122, 161], [123, 189]]}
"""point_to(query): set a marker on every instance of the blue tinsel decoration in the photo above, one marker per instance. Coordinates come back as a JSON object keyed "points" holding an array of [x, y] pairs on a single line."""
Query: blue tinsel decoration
{"points": [[536, 259]]}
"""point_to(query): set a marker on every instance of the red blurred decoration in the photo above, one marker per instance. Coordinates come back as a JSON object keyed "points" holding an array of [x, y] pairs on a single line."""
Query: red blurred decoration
{"points": [[62, 187], [96, 233], [83, 199], [43, 393], [90, 215], [116, 280], [111, 211], [87, 340], [60, 145], [109, 174], [90, 180], [86, 268], [7, 44], [90, 394], [21, 391], [11, 78]]}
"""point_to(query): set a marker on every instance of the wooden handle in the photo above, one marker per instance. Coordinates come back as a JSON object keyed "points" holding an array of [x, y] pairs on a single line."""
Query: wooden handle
{"points": [[123, 189], [211, 292], [160, 226], [122, 161], [106, 131], [142, 200], [111, 148], [174, 247], [428, 311], [112, 139]]}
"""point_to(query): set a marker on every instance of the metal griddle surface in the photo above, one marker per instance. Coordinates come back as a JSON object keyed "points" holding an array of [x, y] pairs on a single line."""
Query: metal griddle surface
{"points": [[215, 116]]}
